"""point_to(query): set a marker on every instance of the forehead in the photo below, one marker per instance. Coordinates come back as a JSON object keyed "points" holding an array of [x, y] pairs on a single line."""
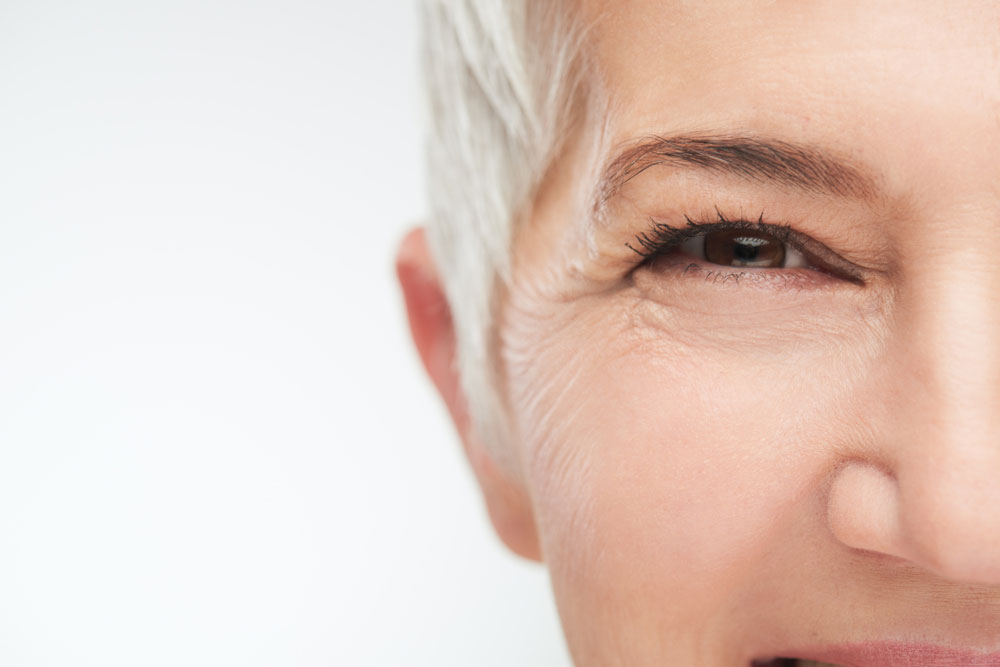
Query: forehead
{"points": [[888, 82]]}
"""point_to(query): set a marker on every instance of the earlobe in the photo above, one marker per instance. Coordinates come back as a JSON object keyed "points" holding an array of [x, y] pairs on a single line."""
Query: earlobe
{"points": [[433, 334], [507, 503]]}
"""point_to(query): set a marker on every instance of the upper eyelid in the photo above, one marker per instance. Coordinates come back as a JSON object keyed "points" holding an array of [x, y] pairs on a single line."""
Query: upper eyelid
{"points": [[661, 236]]}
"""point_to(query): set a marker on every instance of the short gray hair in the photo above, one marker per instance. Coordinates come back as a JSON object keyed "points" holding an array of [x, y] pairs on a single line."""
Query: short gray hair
{"points": [[501, 79]]}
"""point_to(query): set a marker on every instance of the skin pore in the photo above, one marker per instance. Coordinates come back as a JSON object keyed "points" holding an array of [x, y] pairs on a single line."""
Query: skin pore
{"points": [[721, 463]]}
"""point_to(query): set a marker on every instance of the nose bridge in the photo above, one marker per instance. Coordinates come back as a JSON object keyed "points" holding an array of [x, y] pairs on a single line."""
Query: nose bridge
{"points": [[947, 414], [951, 347]]}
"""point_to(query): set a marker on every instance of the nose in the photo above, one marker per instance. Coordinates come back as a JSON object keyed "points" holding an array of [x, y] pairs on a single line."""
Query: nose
{"points": [[930, 492]]}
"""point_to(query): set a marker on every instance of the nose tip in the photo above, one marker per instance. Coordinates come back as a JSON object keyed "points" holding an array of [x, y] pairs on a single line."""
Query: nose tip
{"points": [[952, 526]]}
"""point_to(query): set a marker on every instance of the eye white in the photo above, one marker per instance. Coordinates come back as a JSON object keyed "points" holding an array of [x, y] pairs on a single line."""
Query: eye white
{"points": [[794, 259]]}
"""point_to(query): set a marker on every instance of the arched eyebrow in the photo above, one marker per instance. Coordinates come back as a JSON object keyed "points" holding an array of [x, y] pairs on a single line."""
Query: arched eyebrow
{"points": [[752, 158]]}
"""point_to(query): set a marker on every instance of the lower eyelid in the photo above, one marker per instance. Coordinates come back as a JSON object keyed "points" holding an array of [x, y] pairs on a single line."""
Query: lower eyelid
{"points": [[681, 266]]}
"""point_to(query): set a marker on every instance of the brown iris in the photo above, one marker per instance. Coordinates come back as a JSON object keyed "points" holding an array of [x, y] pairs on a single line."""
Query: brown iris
{"points": [[736, 247]]}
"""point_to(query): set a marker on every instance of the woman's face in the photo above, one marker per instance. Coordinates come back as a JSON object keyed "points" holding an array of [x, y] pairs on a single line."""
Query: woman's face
{"points": [[777, 433]]}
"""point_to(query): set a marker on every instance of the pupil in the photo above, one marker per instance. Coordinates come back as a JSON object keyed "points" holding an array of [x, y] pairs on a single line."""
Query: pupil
{"points": [[746, 249], [740, 248]]}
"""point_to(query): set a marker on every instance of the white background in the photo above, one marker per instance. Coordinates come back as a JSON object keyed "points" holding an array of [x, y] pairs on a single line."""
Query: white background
{"points": [[216, 445]]}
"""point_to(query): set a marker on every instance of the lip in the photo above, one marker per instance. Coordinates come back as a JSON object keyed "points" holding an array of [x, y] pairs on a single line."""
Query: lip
{"points": [[897, 654]]}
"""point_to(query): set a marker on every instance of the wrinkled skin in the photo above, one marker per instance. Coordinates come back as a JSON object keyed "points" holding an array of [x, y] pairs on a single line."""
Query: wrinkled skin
{"points": [[715, 469]]}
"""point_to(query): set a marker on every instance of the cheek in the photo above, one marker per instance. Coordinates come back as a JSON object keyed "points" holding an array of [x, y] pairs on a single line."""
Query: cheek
{"points": [[663, 467]]}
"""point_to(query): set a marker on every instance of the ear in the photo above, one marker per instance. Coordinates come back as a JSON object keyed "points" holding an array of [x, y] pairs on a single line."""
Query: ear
{"points": [[433, 333]]}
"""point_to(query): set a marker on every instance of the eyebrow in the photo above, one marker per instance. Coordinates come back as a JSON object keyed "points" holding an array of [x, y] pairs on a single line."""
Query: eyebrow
{"points": [[751, 158]]}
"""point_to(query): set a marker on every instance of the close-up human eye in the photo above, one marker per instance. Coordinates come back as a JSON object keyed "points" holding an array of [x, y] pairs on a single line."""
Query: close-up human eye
{"points": [[742, 249]]}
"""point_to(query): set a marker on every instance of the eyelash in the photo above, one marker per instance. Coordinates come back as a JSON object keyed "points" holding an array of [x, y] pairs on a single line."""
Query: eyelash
{"points": [[661, 239]]}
